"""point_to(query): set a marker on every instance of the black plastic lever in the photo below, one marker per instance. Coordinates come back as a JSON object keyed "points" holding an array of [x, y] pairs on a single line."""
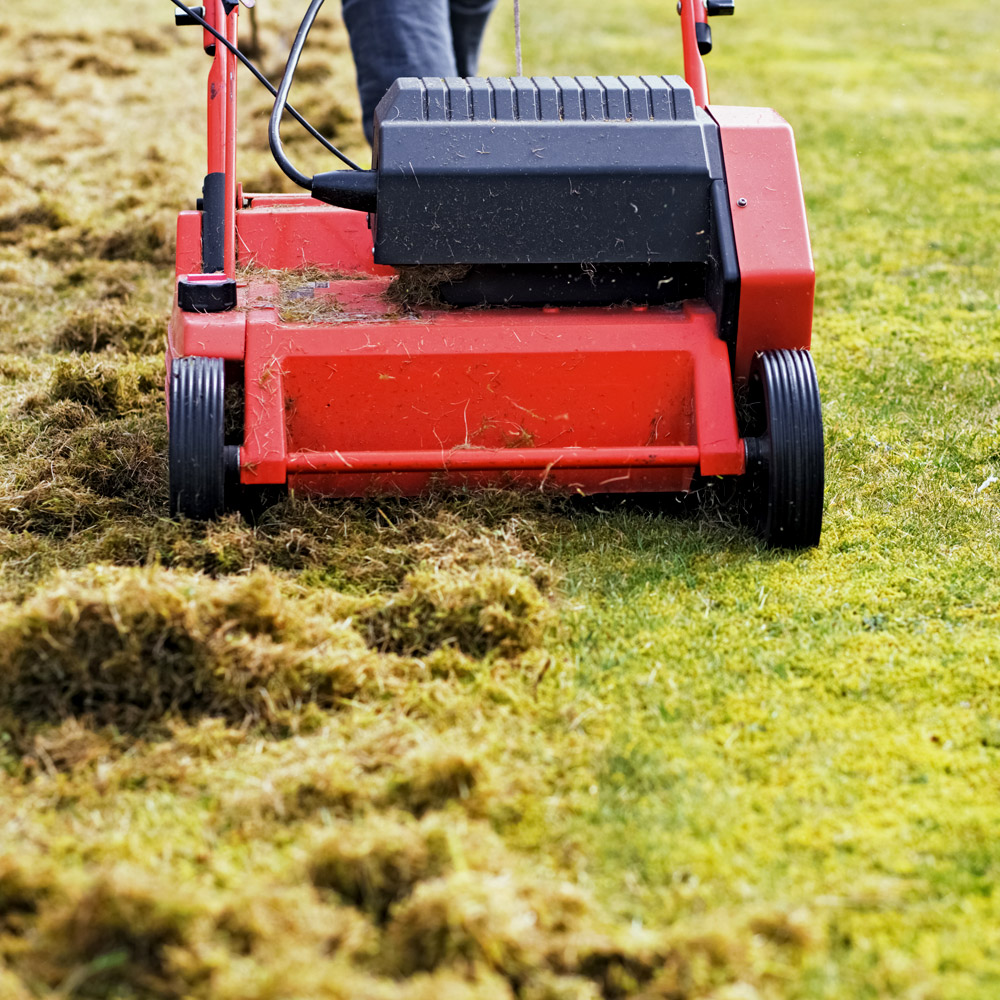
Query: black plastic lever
{"points": [[182, 20], [703, 34], [714, 7]]}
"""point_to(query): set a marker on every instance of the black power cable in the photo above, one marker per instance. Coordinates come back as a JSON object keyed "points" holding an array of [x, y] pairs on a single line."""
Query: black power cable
{"points": [[357, 190], [263, 80], [281, 98]]}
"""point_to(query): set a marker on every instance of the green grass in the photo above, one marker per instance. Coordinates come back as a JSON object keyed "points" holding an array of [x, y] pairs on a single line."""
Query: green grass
{"points": [[813, 731], [591, 752]]}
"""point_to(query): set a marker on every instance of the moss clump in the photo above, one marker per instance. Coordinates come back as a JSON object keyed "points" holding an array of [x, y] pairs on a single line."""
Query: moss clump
{"points": [[142, 239], [468, 917], [14, 128], [432, 776], [44, 214], [50, 508], [25, 887], [110, 326], [261, 922], [127, 648], [94, 63], [119, 937], [450, 663], [109, 286], [373, 866], [95, 385], [360, 546], [313, 71], [66, 414], [86, 447], [545, 939], [483, 610], [322, 108], [68, 747], [306, 794], [149, 240], [96, 472], [144, 41], [14, 368], [120, 459], [301, 791]]}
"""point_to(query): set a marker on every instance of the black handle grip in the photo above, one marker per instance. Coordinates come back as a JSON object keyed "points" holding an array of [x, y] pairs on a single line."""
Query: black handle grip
{"points": [[713, 7]]}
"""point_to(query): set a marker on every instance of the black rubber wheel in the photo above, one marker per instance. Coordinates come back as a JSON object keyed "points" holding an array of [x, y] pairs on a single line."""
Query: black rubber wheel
{"points": [[197, 438], [783, 427]]}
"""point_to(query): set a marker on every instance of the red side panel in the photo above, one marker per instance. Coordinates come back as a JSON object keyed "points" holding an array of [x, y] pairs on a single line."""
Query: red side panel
{"points": [[589, 400], [777, 280], [285, 232], [212, 335], [188, 243]]}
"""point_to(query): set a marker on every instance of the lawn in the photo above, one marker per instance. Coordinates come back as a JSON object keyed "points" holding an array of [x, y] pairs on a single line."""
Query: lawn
{"points": [[495, 746]]}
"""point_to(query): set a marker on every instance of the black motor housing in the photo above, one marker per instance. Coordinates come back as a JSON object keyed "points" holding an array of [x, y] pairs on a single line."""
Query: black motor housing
{"points": [[543, 171], [562, 190]]}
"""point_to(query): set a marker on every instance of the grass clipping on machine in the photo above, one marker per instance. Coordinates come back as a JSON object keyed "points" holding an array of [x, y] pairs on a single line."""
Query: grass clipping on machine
{"points": [[419, 286]]}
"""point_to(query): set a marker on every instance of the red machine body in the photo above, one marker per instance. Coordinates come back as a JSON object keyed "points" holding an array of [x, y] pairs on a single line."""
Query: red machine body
{"points": [[591, 399], [371, 398], [777, 280]]}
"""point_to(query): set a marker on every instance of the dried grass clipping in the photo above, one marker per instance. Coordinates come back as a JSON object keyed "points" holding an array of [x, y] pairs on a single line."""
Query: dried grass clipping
{"points": [[420, 286]]}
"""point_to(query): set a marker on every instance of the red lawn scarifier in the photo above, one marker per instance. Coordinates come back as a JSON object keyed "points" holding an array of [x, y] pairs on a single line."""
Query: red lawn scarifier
{"points": [[618, 259]]}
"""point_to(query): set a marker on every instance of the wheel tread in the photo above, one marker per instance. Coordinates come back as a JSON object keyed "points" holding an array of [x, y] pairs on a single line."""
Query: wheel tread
{"points": [[196, 437], [792, 513]]}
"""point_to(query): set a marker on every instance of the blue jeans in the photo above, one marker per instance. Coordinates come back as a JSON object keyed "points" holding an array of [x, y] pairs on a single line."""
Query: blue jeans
{"points": [[394, 38]]}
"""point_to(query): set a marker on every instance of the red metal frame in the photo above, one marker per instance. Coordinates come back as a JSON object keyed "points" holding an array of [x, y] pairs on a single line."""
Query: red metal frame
{"points": [[623, 399], [222, 118], [693, 12]]}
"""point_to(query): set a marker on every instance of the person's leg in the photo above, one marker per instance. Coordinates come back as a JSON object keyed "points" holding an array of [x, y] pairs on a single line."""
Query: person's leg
{"points": [[394, 38], [468, 22]]}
